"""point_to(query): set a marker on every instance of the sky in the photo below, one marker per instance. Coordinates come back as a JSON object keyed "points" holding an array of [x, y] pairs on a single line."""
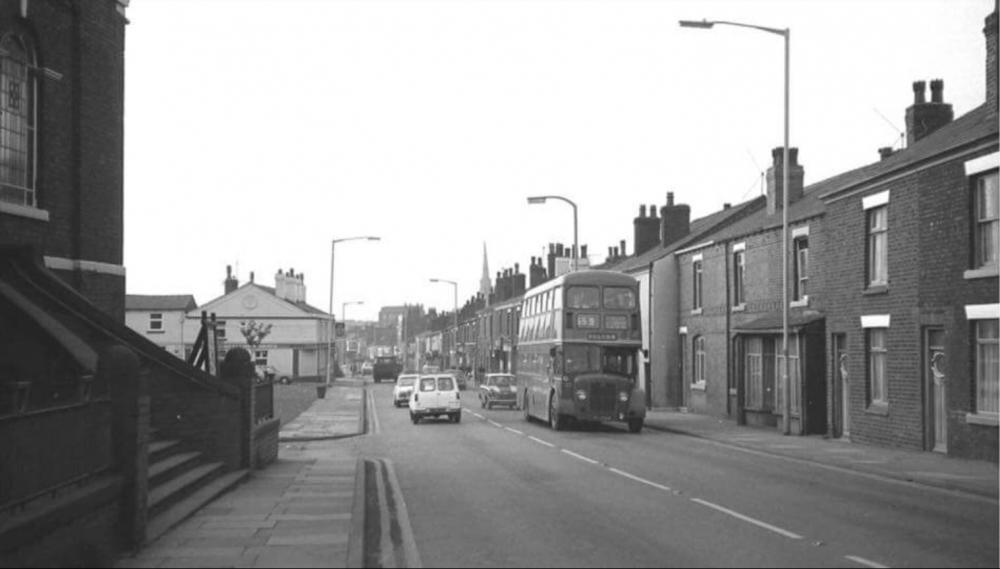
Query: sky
{"points": [[259, 131]]}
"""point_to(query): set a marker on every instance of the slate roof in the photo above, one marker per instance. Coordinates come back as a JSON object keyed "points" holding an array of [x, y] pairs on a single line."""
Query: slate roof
{"points": [[303, 306], [184, 302], [697, 231]]}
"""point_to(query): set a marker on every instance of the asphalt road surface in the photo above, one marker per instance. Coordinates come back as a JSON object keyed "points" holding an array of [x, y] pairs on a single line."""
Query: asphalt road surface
{"points": [[495, 490]]}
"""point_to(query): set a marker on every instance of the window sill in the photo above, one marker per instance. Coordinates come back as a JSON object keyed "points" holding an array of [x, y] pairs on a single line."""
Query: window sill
{"points": [[156, 331], [878, 409], [981, 273], [739, 307], [24, 211], [876, 289], [699, 386], [804, 301], [695, 311], [980, 419]]}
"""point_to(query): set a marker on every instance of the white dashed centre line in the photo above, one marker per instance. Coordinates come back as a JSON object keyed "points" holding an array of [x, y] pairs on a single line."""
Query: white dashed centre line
{"points": [[494, 423], [541, 442], [515, 431], [748, 519], [476, 415], [642, 480], [866, 562], [580, 456]]}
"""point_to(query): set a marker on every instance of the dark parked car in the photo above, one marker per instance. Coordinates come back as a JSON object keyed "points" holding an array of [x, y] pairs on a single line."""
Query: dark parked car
{"points": [[386, 367], [461, 378], [498, 389]]}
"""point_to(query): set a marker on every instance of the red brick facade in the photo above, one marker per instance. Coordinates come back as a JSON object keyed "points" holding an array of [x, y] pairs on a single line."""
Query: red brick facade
{"points": [[79, 143]]}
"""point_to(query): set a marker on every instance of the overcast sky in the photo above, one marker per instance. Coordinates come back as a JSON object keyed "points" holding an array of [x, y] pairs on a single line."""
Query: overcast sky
{"points": [[256, 131]]}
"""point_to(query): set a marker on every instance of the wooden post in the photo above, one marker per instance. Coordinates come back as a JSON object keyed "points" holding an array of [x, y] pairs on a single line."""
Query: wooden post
{"points": [[119, 368]]}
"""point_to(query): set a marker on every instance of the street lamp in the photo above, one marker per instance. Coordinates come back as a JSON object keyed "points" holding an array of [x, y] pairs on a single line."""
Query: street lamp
{"points": [[785, 33], [343, 318], [454, 314], [329, 335], [541, 199]]}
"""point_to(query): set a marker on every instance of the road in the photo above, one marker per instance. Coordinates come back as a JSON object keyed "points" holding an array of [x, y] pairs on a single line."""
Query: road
{"points": [[496, 490]]}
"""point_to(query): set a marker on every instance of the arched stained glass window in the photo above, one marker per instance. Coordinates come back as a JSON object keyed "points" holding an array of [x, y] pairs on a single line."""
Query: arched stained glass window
{"points": [[17, 121]]}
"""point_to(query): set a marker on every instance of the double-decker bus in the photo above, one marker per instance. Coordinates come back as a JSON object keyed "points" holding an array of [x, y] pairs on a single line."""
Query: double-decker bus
{"points": [[577, 351]]}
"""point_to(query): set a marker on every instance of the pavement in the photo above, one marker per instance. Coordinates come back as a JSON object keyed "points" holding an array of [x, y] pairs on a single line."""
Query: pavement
{"points": [[307, 508]]}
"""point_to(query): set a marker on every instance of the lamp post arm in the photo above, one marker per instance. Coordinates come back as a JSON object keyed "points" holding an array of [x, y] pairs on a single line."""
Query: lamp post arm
{"points": [[777, 31]]}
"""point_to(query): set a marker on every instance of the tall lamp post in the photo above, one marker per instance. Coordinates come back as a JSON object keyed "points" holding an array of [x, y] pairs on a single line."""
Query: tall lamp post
{"points": [[785, 379], [454, 344], [541, 199], [329, 335], [343, 318]]}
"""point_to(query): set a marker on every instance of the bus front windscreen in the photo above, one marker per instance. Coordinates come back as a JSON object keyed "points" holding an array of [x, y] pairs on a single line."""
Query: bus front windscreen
{"points": [[599, 359]]}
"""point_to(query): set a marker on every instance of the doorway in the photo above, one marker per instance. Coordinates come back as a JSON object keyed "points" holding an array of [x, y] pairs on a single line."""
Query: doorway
{"points": [[935, 382], [841, 385]]}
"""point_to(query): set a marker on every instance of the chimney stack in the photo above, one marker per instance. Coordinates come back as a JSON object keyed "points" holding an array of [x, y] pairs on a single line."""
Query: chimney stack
{"points": [[231, 283], [647, 230], [923, 118], [519, 281], [885, 152], [675, 221], [551, 272], [775, 179], [623, 248]]}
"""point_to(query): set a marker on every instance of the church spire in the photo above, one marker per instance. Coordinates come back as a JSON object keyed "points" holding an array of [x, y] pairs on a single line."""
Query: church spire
{"points": [[484, 281]]}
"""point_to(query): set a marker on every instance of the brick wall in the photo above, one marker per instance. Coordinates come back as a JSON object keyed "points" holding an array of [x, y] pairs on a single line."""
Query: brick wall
{"points": [[80, 139]]}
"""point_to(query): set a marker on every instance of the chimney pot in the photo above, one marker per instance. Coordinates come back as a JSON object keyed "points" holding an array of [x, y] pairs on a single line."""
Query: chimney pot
{"points": [[670, 198], [919, 88], [611, 252], [885, 152], [623, 247], [937, 86], [229, 271], [642, 210], [251, 276], [652, 210], [726, 205], [583, 251]]}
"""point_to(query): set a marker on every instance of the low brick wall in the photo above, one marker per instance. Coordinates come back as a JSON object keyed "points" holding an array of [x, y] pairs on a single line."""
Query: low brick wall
{"points": [[265, 442]]}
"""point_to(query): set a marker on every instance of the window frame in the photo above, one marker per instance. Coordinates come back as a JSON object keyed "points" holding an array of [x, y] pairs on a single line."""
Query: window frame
{"points": [[980, 370], [877, 360], [800, 288], [697, 283], [29, 96], [978, 221], [739, 278], [699, 362], [155, 323], [877, 245]]}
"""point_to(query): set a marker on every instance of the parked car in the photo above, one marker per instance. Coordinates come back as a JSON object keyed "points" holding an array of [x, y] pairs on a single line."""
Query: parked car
{"points": [[404, 387], [366, 368], [460, 377], [436, 396], [386, 367], [267, 373], [498, 389]]}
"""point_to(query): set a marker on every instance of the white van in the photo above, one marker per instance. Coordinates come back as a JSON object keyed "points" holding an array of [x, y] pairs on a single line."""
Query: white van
{"points": [[435, 396]]}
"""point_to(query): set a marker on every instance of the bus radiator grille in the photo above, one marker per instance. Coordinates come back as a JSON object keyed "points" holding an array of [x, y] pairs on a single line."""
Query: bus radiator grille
{"points": [[602, 398]]}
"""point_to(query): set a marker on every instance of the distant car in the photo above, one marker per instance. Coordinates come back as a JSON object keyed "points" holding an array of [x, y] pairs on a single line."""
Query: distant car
{"points": [[366, 368], [404, 387], [386, 367], [460, 377], [498, 389], [268, 373], [436, 396]]}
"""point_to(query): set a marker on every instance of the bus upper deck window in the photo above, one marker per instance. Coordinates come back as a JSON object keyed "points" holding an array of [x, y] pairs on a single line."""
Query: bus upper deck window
{"points": [[583, 297], [619, 297]]}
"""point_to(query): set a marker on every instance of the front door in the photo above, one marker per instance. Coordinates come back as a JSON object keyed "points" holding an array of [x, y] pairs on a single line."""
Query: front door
{"points": [[935, 383], [842, 383]]}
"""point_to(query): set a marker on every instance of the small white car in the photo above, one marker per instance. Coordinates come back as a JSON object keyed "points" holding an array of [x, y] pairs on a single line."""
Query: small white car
{"points": [[436, 396], [404, 387]]}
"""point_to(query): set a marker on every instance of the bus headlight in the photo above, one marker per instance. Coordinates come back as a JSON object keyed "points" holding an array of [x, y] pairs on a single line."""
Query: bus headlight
{"points": [[623, 396], [581, 395]]}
